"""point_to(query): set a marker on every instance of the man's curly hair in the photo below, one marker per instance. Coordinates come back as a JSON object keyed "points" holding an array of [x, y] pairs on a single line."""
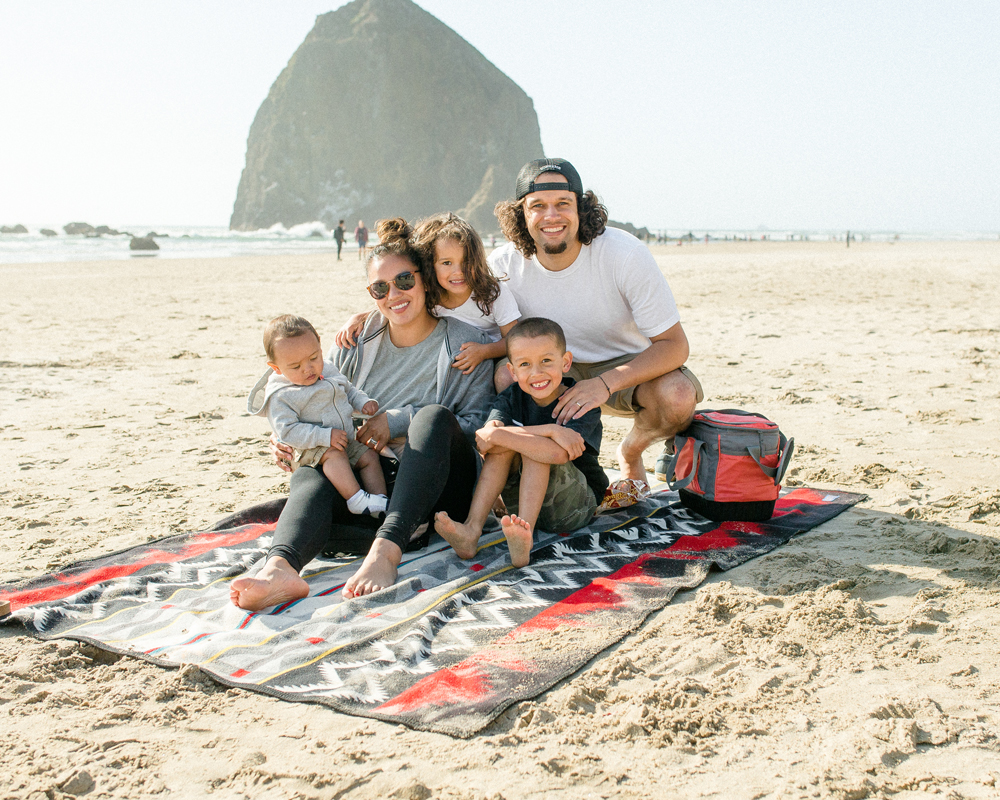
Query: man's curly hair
{"points": [[510, 215]]}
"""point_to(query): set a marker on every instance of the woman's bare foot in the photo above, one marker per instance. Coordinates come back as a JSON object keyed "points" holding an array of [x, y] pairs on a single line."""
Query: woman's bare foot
{"points": [[518, 533], [378, 570], [275, 584], [461, 536]]}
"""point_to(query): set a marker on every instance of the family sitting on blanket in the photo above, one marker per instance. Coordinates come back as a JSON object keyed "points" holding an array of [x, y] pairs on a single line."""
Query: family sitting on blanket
{"points": [[600, 284]]}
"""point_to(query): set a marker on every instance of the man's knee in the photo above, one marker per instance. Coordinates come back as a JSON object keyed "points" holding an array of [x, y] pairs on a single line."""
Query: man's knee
{"points": [[671, 397]]}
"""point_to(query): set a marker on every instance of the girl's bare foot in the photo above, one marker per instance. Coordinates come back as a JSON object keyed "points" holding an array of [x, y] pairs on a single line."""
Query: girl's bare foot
{"points": [[378, 570], [462, 537], [518, 533], [275, 584]]}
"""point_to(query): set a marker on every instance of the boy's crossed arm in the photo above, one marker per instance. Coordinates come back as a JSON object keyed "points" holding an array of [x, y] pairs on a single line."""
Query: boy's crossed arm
{"points": [[546, 444]]}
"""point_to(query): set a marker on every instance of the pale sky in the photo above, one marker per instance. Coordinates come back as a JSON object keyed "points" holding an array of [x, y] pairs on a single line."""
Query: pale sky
{"points": [[711, 115]]}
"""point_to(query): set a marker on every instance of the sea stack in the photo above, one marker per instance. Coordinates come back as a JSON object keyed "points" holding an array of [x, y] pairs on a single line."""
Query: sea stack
{"points": [[384, 111]]}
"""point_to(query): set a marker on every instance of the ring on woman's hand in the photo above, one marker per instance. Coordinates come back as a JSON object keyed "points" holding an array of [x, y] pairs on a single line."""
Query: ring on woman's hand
{"points": [[373, 441], [580, 404]]}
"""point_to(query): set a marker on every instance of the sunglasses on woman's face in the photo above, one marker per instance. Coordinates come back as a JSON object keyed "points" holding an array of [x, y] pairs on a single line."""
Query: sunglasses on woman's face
{"points": [[403, 281]]}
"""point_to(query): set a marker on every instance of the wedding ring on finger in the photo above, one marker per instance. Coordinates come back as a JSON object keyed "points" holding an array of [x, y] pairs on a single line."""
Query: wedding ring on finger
{"points": [[373, 441]]}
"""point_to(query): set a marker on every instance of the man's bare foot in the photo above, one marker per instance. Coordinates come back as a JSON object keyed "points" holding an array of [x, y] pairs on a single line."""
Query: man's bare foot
{"points": [[275, 584], [630, 463], [518, 533], [461, 536], [378, 570]]}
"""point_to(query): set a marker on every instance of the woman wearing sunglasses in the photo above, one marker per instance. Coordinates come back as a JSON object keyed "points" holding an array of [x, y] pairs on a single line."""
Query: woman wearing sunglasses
{"points": [[431, 413]]}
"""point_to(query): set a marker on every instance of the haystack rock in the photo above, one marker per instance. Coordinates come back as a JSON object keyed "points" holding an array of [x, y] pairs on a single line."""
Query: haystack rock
{"points": [[384, 111]]}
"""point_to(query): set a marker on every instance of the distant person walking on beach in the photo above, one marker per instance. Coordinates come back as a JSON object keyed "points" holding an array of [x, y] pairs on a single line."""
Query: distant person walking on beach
{"points": [[339, 235], [361, 237], [603, 286]]}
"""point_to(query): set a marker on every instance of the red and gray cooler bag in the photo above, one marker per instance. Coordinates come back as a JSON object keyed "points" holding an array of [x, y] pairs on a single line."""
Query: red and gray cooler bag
{"points": [[728, 465]]}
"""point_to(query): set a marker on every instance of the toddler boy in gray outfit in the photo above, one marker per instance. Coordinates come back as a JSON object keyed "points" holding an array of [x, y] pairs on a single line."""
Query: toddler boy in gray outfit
{"points": [[309, 404]]}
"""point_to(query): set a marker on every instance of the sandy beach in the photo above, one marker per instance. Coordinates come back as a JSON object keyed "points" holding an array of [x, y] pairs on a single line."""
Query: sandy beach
{"points": [[860, 660]]}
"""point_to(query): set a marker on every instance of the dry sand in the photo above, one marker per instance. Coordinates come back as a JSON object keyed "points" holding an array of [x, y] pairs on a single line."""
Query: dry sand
{"points": [[860, 660]]}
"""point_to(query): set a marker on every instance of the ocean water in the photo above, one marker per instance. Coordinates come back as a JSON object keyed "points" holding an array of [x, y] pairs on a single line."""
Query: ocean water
{"points": [[179, 242], [218, 242]]}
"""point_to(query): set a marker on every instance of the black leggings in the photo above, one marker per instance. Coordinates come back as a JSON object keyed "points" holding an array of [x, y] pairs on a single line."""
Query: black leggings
{"points": [[436, 473]]}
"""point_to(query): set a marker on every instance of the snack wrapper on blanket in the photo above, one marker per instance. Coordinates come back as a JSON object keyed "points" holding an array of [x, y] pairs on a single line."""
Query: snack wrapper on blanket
{"points": [[622, 493]]}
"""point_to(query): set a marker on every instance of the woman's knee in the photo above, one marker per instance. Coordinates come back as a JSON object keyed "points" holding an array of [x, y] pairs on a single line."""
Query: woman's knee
{"points": [[433, 421], [434, 414]]}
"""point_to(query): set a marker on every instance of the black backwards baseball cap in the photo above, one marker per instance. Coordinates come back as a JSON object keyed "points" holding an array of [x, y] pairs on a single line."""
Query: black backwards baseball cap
{"points": [[530, 171]]}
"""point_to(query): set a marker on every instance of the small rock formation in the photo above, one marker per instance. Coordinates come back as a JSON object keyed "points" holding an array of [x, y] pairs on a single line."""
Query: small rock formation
{"points": [[154, 235], [79, 228], [383, 111], [143, 243], [104, 230], [13, 229], [48, 232], [628, 227]]}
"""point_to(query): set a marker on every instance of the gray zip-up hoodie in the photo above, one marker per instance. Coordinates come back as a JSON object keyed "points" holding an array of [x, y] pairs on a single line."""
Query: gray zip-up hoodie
{"points": [[303, 416], [468, 397]]}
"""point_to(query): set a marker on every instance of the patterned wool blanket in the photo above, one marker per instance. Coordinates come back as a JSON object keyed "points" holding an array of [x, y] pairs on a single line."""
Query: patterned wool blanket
{"points": [[447, 648]]}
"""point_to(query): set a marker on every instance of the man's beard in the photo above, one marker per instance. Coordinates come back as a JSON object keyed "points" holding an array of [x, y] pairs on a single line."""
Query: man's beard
{"points": [[555, 249]]}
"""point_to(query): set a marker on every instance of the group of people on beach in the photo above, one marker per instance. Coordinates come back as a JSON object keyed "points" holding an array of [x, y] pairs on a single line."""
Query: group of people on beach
{"points": [[480, 382]]}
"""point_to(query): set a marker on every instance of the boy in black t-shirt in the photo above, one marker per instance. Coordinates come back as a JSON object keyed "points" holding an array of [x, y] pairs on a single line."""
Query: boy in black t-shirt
{"points": [[547, 474]]}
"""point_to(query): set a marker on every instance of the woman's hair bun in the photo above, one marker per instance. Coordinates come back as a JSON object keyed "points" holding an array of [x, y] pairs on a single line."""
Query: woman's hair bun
{"points": [[394, 229]]}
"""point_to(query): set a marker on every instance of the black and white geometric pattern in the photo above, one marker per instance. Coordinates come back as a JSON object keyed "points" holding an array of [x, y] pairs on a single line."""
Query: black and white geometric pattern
{"points": [[447, 648]]}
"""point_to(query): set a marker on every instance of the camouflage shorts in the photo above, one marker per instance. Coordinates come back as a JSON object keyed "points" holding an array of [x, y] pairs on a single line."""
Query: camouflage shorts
{"points": [[569, 501]]}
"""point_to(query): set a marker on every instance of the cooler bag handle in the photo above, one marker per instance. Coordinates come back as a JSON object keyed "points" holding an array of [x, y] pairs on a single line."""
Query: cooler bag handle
{"points": [[778, 472], [787, 448], [683, 482]]}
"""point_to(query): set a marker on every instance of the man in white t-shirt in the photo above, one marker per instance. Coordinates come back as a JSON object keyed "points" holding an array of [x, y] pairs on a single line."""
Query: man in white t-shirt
{"points": [[604, 288]]}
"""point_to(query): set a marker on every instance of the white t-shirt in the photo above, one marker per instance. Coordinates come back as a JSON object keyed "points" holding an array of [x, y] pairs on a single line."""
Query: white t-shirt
{"points": [[608, 302], [505, 311]]}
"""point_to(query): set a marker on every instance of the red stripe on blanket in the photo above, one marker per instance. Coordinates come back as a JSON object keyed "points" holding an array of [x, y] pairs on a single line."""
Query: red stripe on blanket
{"points": [[70, 584], [468, 678]]}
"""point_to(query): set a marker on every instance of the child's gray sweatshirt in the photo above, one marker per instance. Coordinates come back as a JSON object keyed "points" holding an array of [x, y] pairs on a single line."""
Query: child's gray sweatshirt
{"points": [[303, 416]]}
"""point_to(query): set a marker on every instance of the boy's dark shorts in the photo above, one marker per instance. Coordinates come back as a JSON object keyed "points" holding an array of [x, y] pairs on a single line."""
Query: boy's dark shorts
{"points": [[569, 501]]}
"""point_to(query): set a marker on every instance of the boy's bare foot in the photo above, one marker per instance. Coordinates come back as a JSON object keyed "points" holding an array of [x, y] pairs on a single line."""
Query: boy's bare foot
{"points": [[518, 533], [630, 464], [275, 584], [463, 538], [378, 570]]}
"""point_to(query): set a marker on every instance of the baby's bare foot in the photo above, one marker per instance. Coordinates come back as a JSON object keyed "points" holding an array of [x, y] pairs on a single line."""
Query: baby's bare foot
{"points": [[459, 535], [518, 533], [275, 584]]}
